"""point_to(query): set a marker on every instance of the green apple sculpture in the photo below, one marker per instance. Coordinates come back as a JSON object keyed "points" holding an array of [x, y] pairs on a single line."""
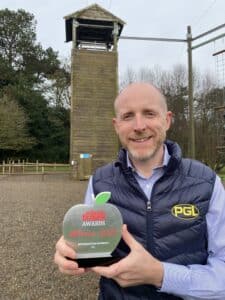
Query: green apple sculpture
{"points": [[93, 230]]}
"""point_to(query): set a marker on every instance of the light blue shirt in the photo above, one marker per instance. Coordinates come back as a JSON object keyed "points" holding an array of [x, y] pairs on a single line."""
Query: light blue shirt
{"points": [[195, 281]]}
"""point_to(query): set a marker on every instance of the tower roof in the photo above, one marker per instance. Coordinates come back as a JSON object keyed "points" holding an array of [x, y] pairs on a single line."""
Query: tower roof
{"points": [[95, 12], [94, 24]]}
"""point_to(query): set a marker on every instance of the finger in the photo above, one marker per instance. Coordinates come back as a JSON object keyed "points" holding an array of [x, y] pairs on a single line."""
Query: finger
{"points": [[128, 238], [108, 272], [64, 263], [72, 272], [64, 249]]}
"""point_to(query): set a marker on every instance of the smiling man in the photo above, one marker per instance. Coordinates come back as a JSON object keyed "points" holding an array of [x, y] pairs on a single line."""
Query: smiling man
{"points": [[142, 124], [173, 243]]}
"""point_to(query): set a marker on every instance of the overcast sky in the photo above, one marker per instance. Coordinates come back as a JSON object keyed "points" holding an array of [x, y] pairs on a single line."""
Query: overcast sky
{"points": [[145, 18]]}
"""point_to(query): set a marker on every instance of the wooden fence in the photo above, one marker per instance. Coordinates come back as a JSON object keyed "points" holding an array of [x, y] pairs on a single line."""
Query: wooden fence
{"points": [[12, 167]]}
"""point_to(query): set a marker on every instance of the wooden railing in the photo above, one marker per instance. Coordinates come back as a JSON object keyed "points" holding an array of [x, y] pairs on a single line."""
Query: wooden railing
{"points": [[23, 167]]}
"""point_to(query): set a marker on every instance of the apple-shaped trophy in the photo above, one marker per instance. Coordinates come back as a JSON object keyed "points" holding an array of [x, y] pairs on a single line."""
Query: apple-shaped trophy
{"points": [[94, 231]]}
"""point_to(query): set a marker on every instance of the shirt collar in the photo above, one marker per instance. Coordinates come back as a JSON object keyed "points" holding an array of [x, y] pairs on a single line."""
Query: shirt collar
{"points": [[166, 158]]}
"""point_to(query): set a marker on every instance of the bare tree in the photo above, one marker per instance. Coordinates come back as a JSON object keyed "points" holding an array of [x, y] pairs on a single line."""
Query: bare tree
{"points": [[173, 85]]}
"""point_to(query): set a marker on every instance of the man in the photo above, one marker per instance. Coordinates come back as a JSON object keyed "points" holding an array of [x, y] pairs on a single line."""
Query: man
{"points": [[173, 243]]}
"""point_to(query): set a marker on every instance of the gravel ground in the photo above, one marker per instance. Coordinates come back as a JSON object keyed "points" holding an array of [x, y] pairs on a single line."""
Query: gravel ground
{"points": [[31, 214]]}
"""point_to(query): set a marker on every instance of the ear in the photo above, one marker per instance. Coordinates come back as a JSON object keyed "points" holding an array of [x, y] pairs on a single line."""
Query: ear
{"points": [[169, 116], [115, 124]]}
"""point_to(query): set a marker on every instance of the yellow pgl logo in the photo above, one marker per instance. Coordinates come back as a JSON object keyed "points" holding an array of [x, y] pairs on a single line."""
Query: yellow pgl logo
{"points": [[185, 211]]}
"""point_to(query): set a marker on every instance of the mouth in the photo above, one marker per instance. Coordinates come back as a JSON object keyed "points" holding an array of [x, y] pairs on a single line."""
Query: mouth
{"points": [[141, 139]]}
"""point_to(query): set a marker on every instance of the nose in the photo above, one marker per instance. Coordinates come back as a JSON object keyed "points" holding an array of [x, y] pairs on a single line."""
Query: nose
{"points": [[139, 123]]}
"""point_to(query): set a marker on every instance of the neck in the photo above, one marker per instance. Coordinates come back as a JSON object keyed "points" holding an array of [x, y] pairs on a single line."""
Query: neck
{"points": [[145, 167]]}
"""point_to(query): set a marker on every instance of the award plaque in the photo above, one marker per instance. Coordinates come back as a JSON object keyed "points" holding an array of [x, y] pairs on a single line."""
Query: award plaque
{"points": [[94, 231]]}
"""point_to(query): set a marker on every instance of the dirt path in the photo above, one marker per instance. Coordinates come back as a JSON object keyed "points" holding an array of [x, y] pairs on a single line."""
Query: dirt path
{"points": [[31, 214]]}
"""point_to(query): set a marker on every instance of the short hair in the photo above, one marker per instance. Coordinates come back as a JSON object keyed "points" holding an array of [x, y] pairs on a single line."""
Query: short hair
{"points": [[162, 96]]}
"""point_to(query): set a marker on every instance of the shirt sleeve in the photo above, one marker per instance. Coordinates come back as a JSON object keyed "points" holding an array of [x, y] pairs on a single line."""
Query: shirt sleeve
{"points": [[203, 281]]}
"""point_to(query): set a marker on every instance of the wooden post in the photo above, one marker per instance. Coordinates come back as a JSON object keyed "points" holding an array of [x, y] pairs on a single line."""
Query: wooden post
{"points": [[43, 172], [13, 169], [23, 166]]}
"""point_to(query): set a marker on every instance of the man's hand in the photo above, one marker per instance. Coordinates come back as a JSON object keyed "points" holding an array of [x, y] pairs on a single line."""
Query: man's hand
{"points": [[139, 267], [66, 266]]}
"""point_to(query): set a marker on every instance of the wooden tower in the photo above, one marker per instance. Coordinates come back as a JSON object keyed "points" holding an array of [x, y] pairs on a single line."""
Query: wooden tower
{"points": [[94, 33]]}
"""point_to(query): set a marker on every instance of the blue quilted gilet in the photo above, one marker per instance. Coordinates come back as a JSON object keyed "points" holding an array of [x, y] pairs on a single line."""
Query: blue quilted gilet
{"points": [[166, 236]]}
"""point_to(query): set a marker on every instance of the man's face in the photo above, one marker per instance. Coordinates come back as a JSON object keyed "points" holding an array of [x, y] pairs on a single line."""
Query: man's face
{"points": [[141, 122]]}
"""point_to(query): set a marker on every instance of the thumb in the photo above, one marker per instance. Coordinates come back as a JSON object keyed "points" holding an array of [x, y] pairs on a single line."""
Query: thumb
{"points": [[128, 238]]}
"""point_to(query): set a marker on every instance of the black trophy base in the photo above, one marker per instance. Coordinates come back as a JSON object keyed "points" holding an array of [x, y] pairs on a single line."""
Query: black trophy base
{"points": [[95, 261]]}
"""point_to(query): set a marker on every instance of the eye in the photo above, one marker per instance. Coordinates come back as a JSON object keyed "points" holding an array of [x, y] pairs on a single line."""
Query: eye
{"points": [[127, 116], [150, 113]]}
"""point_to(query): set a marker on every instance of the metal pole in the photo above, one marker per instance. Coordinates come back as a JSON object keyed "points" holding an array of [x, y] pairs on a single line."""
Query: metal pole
{"points": [[208, 41], [190, 94], [153, 39], [189, 41], [208, 32]]}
